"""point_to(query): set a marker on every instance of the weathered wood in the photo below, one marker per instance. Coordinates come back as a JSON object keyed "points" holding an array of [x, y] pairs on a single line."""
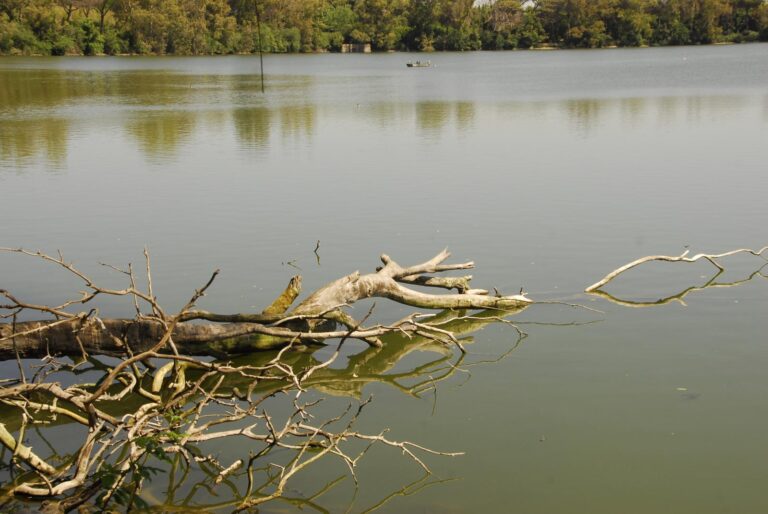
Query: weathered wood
{"points": [[128, 406], [314, 319], [683, 257]]}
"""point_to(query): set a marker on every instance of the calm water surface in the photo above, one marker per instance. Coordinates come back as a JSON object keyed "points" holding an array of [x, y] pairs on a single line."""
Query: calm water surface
{"points": [[548, 169]]}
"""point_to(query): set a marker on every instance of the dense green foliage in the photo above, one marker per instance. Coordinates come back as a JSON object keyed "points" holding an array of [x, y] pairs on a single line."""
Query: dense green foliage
{"points": [[192, 27]]}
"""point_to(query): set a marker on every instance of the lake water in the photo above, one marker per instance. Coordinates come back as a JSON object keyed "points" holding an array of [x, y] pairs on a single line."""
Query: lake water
{"points": [[548, 169]]}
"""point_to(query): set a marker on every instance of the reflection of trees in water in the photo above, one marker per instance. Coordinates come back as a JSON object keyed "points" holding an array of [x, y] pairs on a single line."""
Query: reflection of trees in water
{"points": [[583, 113], [153, 88], [22, 89], [297, 120], [699, 107], [465, 114], [587, 114], [632, 110], [253, 126], [434, 116], [45, 133], [159, 134], [666, 107], [22, 141], [383, 113]]}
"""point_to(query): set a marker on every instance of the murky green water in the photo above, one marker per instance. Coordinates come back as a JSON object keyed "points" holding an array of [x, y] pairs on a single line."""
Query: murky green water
{"points": [[547, 169]]}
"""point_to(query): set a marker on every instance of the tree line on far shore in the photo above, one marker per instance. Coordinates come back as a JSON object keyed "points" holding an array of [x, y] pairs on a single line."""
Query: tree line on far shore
{"points": [[200, 27]]}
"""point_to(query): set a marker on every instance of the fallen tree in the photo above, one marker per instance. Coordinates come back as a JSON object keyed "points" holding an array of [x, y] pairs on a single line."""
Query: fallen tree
{"points": [[314, 319], [161, 399], [161, 402]]}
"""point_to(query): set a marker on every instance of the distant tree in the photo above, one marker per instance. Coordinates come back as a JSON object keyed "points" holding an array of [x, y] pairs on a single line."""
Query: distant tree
{"points": [[455, 20], [337, 21], [505, 15], [384, 22], [668, 25], [705, 19], [69, 7], [13, 8], [423, 25], [744, 16], [630, 22], [243, 10], [224, 26], [503, 21], [576, 23], [102, 7], [761, 15], [219, 27], [530, 32]]}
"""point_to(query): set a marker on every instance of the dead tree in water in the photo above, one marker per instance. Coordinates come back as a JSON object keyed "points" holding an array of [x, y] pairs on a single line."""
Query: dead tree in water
{"points": [[160, 403], [316, 318], [180, 401], [598, 288]]}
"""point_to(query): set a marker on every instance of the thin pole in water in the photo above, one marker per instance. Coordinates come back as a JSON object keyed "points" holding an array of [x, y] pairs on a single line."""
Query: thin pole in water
{"points": [[261, 53]]}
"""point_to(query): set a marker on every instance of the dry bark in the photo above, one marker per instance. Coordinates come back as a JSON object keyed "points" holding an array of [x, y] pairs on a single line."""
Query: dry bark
{"points": [[169, 409], [314, 319], [139, 409]]}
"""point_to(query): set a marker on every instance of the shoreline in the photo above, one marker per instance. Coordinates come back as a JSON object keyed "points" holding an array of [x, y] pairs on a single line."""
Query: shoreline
{"points": [[406, 52]]}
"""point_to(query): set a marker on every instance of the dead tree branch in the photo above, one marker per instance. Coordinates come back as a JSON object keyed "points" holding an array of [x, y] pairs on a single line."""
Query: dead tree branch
{"points": [[160, 400], [712, 258], [312, 320]]}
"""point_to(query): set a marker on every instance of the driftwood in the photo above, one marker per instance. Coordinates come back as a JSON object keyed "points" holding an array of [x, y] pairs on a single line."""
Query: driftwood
{"points": [[683, 257], [159, 403], [314, 319], [160, 400], [679, 297]]}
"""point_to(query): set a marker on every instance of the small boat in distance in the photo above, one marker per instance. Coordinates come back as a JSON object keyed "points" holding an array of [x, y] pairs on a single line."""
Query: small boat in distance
{"points": [[419, 64]]}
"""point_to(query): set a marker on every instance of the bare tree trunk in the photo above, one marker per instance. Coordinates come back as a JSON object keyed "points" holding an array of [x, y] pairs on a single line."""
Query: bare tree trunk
{"points": [[314, 319], [203, 397]]}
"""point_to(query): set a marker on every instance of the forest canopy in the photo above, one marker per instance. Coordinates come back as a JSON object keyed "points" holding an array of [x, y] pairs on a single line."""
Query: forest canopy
{"points": [[204, 27]]}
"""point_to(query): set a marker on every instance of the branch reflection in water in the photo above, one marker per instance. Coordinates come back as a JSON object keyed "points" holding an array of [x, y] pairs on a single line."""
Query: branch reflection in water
{"points": [[597, 288], [190, 459]]}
